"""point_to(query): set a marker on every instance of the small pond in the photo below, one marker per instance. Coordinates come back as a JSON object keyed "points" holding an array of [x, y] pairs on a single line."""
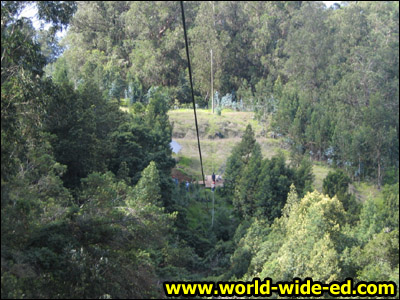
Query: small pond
{"points": [[175, 146]]}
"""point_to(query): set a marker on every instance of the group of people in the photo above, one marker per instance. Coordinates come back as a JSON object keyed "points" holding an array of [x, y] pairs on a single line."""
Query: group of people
{"points": [[213, 182], [176, 181], [187, 184]]}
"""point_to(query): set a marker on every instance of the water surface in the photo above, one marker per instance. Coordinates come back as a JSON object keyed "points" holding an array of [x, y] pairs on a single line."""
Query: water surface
{"points": [[175, 146]]}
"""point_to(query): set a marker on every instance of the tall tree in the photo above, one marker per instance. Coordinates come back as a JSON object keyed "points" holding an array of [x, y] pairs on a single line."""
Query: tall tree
{"points": [[238, 160], [244, 197], [308, 49]]}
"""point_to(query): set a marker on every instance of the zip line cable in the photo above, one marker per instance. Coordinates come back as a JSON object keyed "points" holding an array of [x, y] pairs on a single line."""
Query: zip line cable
{"points": [[194, 110], [191, 85]]}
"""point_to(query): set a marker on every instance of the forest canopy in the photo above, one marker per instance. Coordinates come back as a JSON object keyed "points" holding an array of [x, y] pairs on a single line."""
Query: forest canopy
{"points": [[88, 205], [328, 76]]}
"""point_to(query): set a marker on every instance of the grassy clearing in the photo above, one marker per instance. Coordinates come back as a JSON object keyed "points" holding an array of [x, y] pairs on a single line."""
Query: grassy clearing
{"points": [[215, 151], [230, 124], [365, 190], [362, 190], [214, 154], [320, 172]]}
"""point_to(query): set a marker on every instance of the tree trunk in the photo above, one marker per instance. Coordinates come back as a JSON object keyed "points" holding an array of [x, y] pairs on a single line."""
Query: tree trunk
{"points": [[379, 171]]}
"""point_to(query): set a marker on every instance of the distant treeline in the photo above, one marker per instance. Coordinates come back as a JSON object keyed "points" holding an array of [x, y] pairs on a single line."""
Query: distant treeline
{"points": [[329, 77]]}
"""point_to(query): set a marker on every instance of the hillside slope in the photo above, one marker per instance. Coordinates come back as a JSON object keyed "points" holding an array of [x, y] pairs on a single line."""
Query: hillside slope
{"points": [[216, 150], [218, 135]]}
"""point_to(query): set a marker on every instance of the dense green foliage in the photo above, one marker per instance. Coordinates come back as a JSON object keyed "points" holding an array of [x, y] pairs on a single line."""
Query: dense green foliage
{"points": [[88, 207], [328, 78], [259, 187], [83, 184]]}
